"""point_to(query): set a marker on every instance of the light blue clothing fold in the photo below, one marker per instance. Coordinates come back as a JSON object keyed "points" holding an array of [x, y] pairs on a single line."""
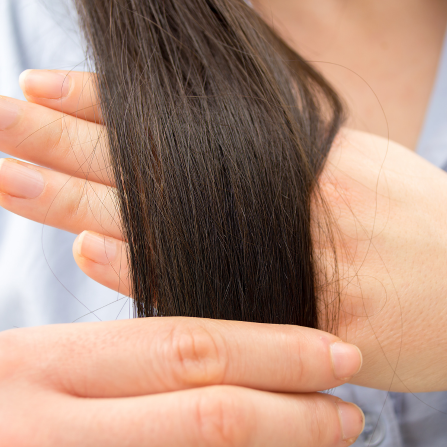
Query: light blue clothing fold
{"points": [[41, 284]]}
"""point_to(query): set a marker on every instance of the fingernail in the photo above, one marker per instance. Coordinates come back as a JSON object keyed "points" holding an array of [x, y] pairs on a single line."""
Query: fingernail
{"points": [[352, 420], [98, 248], [346, 360], [45, 84], [19, 181], [9, 113]]}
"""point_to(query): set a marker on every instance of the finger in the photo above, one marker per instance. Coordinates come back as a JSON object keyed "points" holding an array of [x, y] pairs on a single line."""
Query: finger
{"points": [[50, 138], [207, 417], [104, 259], [155, 355], [58, 200], [70, 92]]}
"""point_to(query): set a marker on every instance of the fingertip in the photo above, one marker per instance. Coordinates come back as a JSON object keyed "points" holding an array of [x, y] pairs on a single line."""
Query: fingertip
{"points": [[95, 255], [22, 78], [77, 244], [352, 420], [98, 248], [45, 84], [347, 360], [71, 92]]}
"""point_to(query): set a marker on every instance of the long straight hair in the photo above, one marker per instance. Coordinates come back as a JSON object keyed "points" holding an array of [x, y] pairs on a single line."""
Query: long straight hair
{"points": [[217, 132]]}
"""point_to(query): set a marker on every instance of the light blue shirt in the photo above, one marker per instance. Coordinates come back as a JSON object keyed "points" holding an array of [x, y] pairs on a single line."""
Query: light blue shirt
{"points": [[41, 284]]}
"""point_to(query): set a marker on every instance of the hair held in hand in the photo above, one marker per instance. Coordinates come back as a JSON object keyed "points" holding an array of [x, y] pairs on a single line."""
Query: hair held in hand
{"points": [[218, 132]]}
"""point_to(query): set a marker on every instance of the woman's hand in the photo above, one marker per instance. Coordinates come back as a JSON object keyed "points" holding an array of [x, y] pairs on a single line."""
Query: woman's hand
{"points": [[390, 214], [159, 381], [76, 194], [386, 203], [175, 382]]}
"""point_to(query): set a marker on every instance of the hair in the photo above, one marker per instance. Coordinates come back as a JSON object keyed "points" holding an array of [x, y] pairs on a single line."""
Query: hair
{"points": [[218, 132]]}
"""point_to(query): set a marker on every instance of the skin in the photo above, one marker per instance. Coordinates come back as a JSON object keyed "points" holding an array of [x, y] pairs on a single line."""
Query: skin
{"points": [[391, 243], [372, 187], [386, 77], [157, 381], [170, 382], [392, 331]]}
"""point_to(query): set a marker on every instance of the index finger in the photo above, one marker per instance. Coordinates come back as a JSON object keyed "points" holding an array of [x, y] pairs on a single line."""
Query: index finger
{"points": [[71, 92], [154, 355]]}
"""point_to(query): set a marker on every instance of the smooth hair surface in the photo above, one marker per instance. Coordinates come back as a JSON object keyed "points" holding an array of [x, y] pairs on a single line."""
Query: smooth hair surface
{"points": [[217, 132]]}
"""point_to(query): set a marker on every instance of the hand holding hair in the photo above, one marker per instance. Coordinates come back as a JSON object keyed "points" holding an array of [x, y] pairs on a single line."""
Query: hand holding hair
{"points": [[97, 360], [390, 257], [218, 173], [169, 381]]}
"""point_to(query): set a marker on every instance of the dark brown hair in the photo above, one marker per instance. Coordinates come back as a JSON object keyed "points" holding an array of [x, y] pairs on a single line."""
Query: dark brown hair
{"points": [[218, 132]]}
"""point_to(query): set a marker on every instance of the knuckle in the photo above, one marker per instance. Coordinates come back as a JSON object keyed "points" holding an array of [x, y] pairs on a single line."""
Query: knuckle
{"points": [[223, 419], [86, 206], [299, 367], [57, 136], [196, 356], [293, 368], [319, 417], [77, 202]]}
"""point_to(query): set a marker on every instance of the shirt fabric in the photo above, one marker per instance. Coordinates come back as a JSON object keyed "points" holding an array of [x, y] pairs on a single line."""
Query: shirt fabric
{"points": [[41, 284]]}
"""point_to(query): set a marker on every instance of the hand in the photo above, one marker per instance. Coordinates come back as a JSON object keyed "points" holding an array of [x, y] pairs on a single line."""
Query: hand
{"points": [[161, 381], [77, 193], [174, 382], [391, 238], [391, 258]]}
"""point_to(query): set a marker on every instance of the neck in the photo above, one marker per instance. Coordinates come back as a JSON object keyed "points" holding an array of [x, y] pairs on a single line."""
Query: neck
{"points": [[314, 27]]}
